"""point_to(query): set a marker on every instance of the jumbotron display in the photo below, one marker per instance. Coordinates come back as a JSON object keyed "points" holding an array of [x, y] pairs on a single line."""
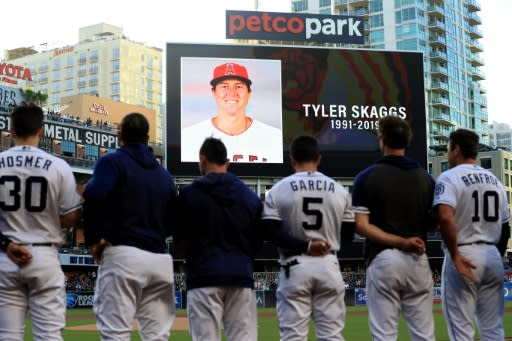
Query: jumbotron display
{"points": [[258, 98]]}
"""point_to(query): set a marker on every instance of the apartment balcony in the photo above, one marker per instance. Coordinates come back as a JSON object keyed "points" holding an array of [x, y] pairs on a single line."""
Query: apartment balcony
{"points": [[440, 102], [438, 70], [475, 32], [43, 68], [474, 19], [82, 84], [435, 11], [82, 72], [362, 12], [437, 26], [475, 46], [352, 3], [441, 133], [43, 80], [444, 119], [93, 70], [472, 5], [477, 75], [438, 56], [437, 40], [483, 89], [93, 82], [82, 61], [438, 86], [476, 60], [93, 59]]}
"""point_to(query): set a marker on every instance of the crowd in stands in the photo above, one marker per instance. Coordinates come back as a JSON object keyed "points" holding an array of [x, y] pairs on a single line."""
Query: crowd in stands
{"points": [[85, 281], [80, 281], [65, 118]]}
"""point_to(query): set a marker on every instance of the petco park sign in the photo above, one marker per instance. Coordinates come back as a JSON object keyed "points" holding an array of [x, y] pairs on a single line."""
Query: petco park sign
{"points": [[294, 27]]}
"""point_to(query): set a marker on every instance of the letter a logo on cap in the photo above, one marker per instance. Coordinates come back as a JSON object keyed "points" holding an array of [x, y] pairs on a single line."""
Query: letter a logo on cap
{"points": [[230, 69]]}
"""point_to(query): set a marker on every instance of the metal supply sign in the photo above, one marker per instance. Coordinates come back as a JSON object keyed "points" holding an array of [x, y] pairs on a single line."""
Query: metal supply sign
{"points": [[303, 27]]}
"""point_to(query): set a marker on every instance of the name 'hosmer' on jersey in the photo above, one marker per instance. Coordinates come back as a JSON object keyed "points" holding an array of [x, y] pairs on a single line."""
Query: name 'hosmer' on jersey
{"points": [[25, 161]]}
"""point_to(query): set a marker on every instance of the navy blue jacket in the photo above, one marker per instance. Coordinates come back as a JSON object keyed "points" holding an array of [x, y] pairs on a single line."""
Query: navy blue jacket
{"points": [[219, 217], [129, 200]]}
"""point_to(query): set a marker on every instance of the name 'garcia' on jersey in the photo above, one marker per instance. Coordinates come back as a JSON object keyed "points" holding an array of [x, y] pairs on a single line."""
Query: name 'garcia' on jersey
{"points": [[479, 178], [25, 161], [312, 185]]}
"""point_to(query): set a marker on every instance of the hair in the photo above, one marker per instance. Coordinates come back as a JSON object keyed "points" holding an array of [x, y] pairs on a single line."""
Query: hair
{"points": [[395, 132], [27, 119], [467, 140], [220, 79], [214, 150], [304, 149], [134, 128]]}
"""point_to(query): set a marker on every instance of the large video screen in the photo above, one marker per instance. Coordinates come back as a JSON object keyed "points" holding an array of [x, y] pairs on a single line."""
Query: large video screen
{"points": [[258, 98]]}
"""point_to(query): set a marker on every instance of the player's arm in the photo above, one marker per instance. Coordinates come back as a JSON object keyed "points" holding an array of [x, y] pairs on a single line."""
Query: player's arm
{"points": [[273, 231], [72, 219], [377, 235], [97, 201], [19, 254], [449, 234], [347, 232], [4, 241], [505, 236]]}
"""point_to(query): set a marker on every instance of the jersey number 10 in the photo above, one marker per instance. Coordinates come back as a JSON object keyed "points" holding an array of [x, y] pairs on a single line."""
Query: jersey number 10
{"points": [[488, 198]]}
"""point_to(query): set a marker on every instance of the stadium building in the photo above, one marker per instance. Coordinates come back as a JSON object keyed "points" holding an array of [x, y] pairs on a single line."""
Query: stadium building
{"points": [[104, 63], [448, 34]]}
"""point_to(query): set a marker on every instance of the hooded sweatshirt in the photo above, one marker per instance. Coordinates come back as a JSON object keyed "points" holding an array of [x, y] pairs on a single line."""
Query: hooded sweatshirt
{"points": [[129, 200], [219, 219]]}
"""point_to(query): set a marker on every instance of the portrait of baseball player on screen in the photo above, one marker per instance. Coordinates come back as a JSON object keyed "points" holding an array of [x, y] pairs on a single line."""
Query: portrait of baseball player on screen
{"points": [[235, 100]]}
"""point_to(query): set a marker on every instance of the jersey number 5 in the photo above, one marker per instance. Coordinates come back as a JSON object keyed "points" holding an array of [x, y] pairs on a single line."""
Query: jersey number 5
{"points": [[306, 202], [31, 186], [489, 198]]}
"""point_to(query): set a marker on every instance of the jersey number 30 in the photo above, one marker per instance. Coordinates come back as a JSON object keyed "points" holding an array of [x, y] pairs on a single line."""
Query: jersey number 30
{"points": [[34, 186], [306, 202]]}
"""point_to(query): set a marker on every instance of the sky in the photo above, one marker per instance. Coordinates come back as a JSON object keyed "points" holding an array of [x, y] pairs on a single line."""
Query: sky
{"points": [[155, 22]]}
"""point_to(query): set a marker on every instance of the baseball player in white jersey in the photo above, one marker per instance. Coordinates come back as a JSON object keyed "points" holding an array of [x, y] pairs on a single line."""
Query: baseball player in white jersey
{"points": [[246, 139], [38, 198], [474, 220], [310, 205]]}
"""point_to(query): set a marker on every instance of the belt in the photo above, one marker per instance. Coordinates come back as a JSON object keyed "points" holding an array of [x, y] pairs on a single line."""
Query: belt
{"points": [[477, 243], [288, 254], [38, 244]]}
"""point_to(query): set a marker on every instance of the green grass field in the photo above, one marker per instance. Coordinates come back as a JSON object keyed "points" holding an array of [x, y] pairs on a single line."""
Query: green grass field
{"points": [[356, 326]]}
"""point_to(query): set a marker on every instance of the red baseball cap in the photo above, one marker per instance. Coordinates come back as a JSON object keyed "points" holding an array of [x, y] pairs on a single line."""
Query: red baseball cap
{"points": [[230, 70]]}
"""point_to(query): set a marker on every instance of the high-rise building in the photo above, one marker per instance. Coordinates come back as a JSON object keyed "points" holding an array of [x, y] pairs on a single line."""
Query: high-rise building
{"points": [[103, 63], [448, 34], [500, 136]]}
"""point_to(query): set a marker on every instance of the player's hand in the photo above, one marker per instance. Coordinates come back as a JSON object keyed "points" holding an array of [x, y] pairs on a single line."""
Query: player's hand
{"points": [[319, 247], [414, 245], [97, 249], [465, 267], [19, 254]]}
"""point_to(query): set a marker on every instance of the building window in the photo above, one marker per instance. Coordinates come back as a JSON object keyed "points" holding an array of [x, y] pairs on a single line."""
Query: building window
{"points": [[375, 5], [116, 53], [67, 148], [486, 163], [115, 65], [444, 166], [69, 84], [507, 180], [70, 59], [56, 63], [430, 168], [115, 89], [325, 3], [69, 73], [56, 75], [115, 77], [300, 6], [506, 163], [377, 20]]}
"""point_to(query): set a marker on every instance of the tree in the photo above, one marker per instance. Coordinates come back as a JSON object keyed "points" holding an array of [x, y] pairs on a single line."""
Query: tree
{"points": [[31, 96]]}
